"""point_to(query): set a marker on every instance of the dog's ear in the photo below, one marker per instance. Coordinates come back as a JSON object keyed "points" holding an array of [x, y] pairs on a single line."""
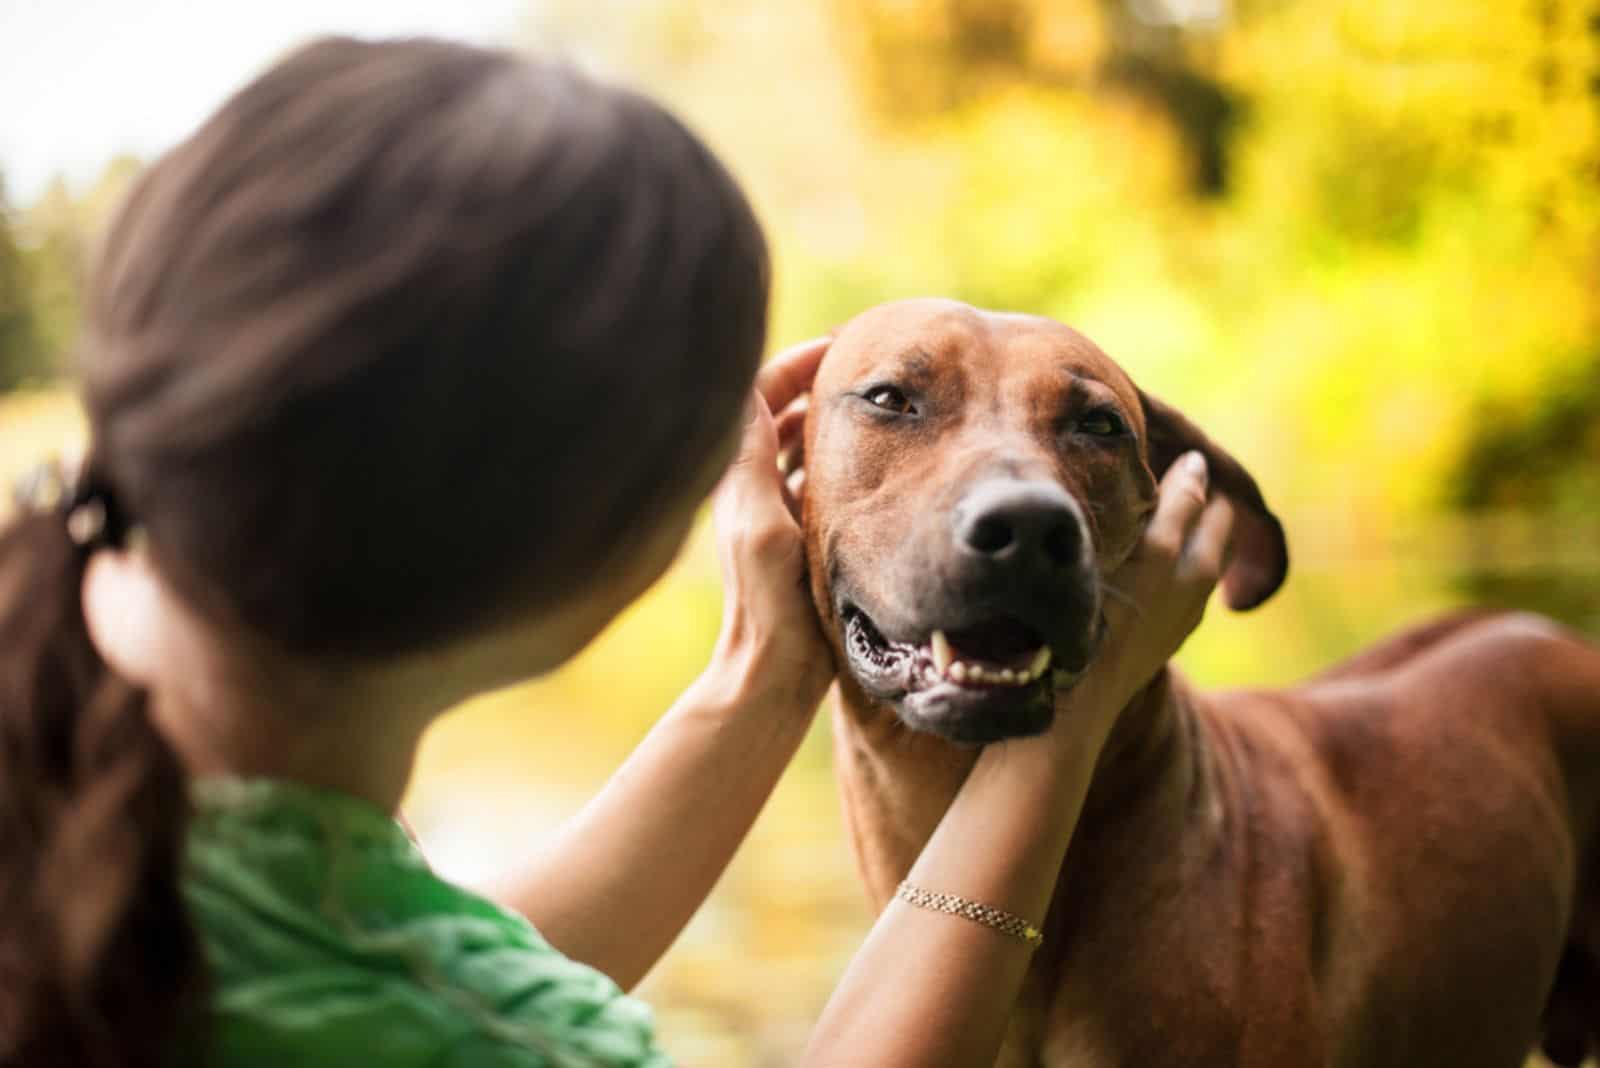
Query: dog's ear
{"points": [[1260, 559], [791, 427]]}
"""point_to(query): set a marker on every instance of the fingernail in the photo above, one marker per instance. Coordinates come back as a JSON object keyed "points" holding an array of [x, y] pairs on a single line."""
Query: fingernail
{"points": [[1195, 463]]}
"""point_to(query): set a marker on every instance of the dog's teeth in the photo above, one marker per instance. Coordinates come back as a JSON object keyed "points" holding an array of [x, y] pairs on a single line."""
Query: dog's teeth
{"points": [[1041, 660], [960, 671]]}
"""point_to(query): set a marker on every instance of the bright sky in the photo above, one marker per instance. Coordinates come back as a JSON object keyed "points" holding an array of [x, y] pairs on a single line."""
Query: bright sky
{"points": [[84, 80]]}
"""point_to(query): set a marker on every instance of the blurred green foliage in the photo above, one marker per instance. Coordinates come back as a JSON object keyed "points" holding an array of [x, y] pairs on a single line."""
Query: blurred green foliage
{"points": [[1541, 460], [45, 251], [1358, 241], [23, 354]]}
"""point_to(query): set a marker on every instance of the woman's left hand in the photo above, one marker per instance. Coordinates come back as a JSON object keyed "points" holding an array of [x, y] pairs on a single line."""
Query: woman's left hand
{"points": [[769, 624]]}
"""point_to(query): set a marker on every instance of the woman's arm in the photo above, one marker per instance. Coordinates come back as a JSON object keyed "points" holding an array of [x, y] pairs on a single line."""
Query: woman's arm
{"points": [[932, 989], [624, 875], [627, 872]]}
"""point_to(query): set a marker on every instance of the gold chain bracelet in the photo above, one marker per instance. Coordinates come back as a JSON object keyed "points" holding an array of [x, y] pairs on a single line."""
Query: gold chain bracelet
{"points": [[993, 918]]}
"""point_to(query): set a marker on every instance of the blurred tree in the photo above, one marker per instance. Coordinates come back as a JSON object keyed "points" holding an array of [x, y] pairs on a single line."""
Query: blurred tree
{"points": [[21, 355], [925, 58], [59, 231], [1544, 460], [1162, 50], [1466, 139], [920, 58], [57, 254]]}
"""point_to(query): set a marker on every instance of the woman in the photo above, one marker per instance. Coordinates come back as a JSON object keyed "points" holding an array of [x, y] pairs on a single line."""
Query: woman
{"points": [[405, 374]]}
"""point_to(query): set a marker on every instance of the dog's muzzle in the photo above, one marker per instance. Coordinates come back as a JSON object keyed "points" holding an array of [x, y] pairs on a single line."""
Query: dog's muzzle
{"points": [[1010, 616]]}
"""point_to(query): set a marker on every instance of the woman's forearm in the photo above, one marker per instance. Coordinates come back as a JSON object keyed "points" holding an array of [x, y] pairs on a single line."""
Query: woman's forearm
{"points": [[928, 988], [627, 872]]}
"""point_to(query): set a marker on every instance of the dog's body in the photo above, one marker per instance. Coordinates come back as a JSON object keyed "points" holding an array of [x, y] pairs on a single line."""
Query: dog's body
{"points": [[1387, 865]]}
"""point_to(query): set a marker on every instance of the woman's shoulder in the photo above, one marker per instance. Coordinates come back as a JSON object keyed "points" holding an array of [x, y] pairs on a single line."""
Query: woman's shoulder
{"points": [[331, 942]]}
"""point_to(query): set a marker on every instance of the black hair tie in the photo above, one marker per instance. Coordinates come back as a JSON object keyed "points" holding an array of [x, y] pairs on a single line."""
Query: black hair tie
{"points": [[89, 509]]}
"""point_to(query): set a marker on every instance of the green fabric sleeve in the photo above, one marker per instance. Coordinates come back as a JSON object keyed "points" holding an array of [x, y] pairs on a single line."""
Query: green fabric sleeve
{"points": [[331, 943]]}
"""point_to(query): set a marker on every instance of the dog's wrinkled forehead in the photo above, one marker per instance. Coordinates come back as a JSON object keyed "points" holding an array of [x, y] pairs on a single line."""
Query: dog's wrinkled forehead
{"points": [[924, 334]]}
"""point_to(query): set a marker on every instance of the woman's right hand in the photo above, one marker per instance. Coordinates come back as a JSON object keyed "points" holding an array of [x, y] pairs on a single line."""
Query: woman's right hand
{"points": [[1159, 596]]}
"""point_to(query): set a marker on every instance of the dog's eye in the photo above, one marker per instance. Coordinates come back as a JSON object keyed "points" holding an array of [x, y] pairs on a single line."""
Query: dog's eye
{"points": [[889, 399], [1101, 424]]}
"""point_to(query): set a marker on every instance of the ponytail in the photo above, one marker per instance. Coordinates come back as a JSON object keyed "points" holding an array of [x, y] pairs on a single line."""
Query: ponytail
{"points": [[100, 966]]}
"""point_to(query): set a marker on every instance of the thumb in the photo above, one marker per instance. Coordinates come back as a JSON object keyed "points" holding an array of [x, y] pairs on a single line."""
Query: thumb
{"points": [[758, 435], [752, 486]]}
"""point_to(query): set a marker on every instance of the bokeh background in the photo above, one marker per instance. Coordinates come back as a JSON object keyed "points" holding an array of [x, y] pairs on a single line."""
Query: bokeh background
{"points": [[1358, 241]]}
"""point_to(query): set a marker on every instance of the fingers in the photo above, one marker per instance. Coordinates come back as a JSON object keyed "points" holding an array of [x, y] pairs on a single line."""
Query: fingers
{"points": [[1205, 557], [1183, 498], [790, 373], [1193, 532], [758, 438], [791, 424], [1182, 551], [752, 490], [1158, 597], [766, 471]]}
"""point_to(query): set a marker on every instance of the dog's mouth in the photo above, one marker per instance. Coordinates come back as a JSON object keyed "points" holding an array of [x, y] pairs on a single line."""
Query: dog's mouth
{"points": [[972, 683]]}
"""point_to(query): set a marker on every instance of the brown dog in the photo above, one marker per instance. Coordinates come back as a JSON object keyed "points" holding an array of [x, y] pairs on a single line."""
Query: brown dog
{"points": [[1391, 864]]}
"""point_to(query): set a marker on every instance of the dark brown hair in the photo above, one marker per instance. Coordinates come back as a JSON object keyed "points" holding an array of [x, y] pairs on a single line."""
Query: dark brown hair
{"points": [[408, 337]]}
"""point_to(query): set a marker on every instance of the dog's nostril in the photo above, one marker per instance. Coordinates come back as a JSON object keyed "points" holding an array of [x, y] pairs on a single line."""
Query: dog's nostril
{"points": [[1061, 544], [990, 534], [1030, 526]]}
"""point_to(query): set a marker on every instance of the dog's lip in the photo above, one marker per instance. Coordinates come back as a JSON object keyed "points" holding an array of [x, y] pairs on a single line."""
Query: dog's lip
{"points": [[885, 666]]}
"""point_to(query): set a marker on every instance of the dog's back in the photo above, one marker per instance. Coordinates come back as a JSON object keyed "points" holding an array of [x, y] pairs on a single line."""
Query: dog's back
{"points": [[1382, 867]]}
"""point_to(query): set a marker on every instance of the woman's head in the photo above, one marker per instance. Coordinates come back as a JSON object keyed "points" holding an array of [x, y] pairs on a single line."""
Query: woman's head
{"points": [[409, 342], [411, 336]]}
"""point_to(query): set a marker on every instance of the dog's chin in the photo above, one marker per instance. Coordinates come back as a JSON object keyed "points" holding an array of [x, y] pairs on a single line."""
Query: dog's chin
{"points": [[967, 717], [939, 689]]}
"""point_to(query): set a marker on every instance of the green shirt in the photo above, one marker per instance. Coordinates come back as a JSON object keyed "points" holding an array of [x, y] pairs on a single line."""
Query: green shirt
{"points": [[331, 943]]}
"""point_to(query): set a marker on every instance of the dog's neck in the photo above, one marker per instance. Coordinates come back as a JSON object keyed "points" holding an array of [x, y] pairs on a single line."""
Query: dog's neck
{"points": [[896, 783], [1154, 744]]}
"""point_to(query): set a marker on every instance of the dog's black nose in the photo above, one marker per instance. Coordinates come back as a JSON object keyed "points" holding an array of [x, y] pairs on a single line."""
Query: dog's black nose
{"points": [[1030, 524]]}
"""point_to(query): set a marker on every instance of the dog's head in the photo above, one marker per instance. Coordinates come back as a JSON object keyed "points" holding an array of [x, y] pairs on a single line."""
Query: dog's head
{"points": [[971, 478]]}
